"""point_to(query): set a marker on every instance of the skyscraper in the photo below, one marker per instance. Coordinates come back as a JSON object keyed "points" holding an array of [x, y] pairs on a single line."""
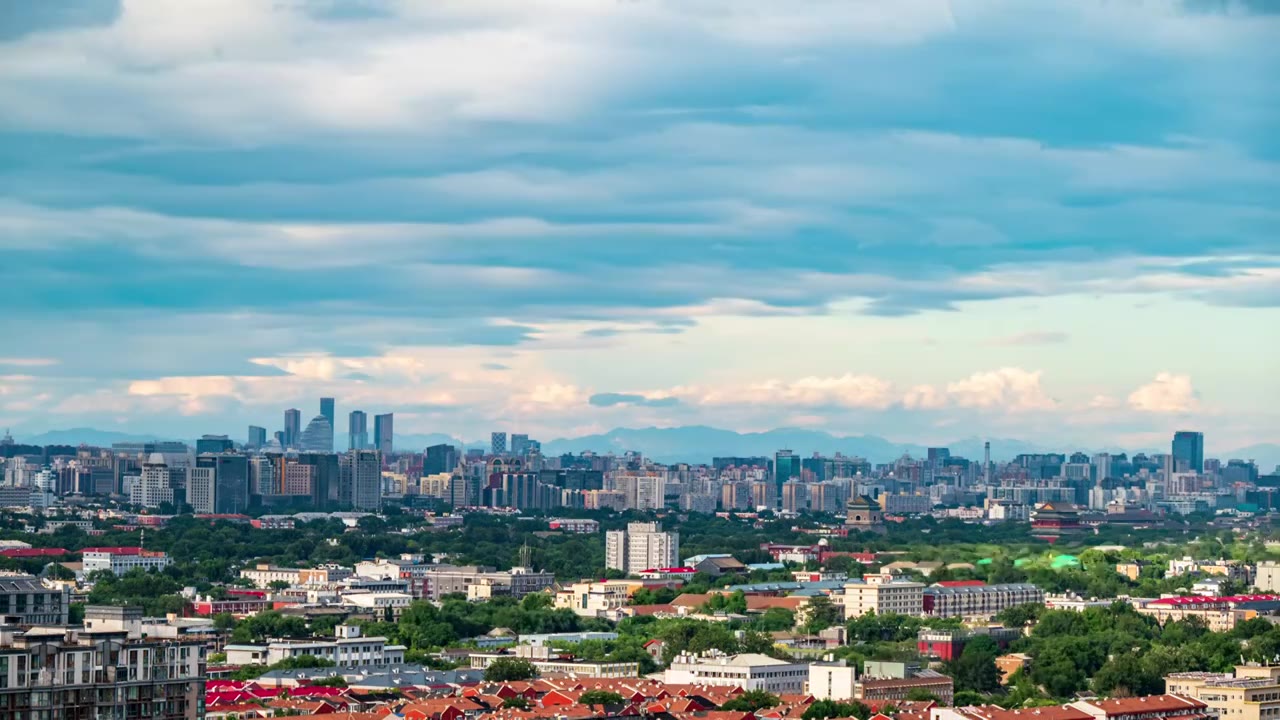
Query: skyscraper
{"points": [[786, 467], [326, 409], [318, 437], [439, 459], [498, 443], [257, 437], [230, 482], [361, 472], [520, 444], [383, 434], [292, 427], [357, 430], [214, 444], [1188, 451]]}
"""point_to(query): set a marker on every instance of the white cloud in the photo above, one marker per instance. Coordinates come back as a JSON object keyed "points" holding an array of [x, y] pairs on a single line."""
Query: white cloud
{"points": [[28, 361], [924, 397], [1167, 393], [1010, 388], [849, 390]]}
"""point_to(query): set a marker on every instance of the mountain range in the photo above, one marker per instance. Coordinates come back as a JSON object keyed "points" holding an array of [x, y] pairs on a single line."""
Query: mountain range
{"points": [[697, 444]]}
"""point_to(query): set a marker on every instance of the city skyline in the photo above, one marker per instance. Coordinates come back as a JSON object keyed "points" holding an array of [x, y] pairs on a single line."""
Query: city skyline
{"points": [[1067, 237]]}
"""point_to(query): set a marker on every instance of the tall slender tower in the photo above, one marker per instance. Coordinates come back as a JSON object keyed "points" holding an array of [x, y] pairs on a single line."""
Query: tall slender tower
{"points": [[986, 463]]}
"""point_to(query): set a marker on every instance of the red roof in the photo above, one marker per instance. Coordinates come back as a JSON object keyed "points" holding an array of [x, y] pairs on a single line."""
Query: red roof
{"points": [[1202, 600], [114, 550], [32, 552]]}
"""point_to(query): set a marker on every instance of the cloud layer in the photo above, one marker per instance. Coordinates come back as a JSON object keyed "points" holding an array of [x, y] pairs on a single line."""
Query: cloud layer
{"points": [[910, 216]]}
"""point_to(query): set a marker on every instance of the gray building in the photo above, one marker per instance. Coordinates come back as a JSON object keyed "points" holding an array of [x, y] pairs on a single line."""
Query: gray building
{"points": [[1188, 451], [24, 600], [498, 443], [384, 433], [292, 427], [357, 430], [318, 437], [361, 477], [257, 437]]}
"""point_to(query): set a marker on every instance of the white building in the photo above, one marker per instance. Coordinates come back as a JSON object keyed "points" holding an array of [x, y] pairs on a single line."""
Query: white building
{"points": [[120, 560], [832, 680], [201, 482], [748, 671], [1267, 576], [346, 649], [153, 488], [643, 489], [640, 547], [883, 594], [384, 605], [597, 599]]}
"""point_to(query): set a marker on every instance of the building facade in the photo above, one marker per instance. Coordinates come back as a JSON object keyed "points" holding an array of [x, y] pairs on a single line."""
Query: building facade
{"points": [[640, 547]]}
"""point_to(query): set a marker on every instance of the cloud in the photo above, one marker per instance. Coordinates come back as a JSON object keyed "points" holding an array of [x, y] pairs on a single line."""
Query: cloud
{"points": [[1167, 393], [848, 390], [614, 399], [1010, 388], [29, 362]]}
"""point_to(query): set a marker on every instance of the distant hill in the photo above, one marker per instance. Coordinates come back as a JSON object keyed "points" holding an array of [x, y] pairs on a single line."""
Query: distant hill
{"points": [[87, 436], [699, 443]]}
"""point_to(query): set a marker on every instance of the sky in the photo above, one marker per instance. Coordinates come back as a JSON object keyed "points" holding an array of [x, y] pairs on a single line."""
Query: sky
{"points": [[923, 219]]}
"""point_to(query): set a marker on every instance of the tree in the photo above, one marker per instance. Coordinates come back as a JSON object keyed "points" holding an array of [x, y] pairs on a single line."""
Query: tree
{"points": [[921, 695], [518, 702], [820, 613], [823, 709], [975, 669], [600, 697], [278, 585], [751, 701], [510, 669], [1020, 615], [224, 622]]}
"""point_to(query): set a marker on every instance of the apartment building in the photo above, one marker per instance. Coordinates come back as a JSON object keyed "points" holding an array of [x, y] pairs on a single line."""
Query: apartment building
{"points": [[597, 599], [748, 671], [1252, 692], [640, 547], [70, 673], [262, 575], [483, 582], [883, 594], [346, 649], [120, 560], [24, 600], [977, 601], [1219, 614]]}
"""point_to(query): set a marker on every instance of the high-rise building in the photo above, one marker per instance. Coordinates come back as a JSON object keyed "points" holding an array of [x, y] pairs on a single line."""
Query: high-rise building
{"points": [[292, 427], [153, 488], [644, 490], [106, 670], [520, 444], [357, 430], [214, 444], [257, 438], [230, 482], [201, 482], [327, 410], [318, 437], [361, 471], [439, 459], [786, 467], [498, 443], [384, 434], [326, 480], [640, 547], [278, 436], [1188, 451]]}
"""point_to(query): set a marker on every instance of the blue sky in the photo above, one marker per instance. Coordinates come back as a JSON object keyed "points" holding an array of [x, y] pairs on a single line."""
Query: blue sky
{"points": [[920, 219]]}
